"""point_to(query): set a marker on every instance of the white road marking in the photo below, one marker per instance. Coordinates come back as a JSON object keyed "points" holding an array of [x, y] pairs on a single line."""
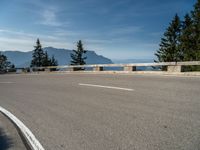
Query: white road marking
{"points": [[6, 82], [34, 143], [108, 87]]}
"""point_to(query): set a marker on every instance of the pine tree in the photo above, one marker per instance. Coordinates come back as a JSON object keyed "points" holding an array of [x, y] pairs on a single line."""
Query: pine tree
{"points": [[187, 39], [12, 66], [196, 30], [182, 42], [4, 63], [78, 55], [169, 50], [53, 61], [46, 61], [38, 55]]}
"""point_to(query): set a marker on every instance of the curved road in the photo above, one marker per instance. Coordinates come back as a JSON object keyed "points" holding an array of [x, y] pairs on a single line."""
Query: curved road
{"points": [[78, 112]]}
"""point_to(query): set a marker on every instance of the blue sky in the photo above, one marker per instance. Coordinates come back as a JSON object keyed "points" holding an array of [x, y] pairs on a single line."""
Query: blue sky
{"points": [[118, 29]]}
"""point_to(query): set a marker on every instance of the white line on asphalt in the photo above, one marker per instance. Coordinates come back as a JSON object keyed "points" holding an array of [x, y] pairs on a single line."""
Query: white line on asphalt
{"points": [[28, 135], [108, 87], [6, 82]]}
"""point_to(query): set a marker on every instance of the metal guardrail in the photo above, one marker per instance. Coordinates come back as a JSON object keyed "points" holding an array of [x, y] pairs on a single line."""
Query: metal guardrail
{"points": [[186, 63], [171, 66]]}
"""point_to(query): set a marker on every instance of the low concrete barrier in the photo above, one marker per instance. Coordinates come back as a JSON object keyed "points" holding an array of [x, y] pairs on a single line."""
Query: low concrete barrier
{"points": [[172, 67]]}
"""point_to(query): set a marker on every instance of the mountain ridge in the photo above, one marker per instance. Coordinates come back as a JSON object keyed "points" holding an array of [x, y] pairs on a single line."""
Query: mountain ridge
{"points": [[23, 59]]}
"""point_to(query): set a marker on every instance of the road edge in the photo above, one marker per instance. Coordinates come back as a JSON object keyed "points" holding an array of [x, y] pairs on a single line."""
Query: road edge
{"points": [[26, 135]]}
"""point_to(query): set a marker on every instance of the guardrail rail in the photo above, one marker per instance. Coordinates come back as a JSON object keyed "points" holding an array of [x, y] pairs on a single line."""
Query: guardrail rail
{"points": [[132, 67]]}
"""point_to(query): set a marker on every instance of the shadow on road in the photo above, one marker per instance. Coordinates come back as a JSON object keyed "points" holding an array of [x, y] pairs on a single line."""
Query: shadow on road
{"points": [[5, 141]]}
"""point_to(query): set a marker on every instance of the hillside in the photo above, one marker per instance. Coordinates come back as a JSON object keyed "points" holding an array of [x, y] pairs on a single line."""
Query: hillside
{"points": [[23, 59]]}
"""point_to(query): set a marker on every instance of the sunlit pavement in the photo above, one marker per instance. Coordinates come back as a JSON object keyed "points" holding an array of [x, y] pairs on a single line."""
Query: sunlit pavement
{"points": [[160, 112]]}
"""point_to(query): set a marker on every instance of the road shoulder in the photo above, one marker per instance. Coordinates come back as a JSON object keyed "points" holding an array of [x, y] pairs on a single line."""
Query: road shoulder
{"points": [[9, 137]]}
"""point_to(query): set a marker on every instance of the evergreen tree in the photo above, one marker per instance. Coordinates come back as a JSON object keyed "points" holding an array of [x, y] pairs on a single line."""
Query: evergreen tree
{"points": [[4, 63], [169, 50], [182, 42], [78, 55], [196, 30], [38, 55], [12, 66], [46, 61], [53, 61], [187, 39], [49, 61]]}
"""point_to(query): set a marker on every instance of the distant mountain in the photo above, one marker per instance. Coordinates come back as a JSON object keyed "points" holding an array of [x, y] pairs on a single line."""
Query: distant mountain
{"points": [[23, 59], [128, 61]]}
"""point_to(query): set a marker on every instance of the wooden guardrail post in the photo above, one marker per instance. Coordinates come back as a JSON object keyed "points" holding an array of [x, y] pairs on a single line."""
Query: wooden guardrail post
{"points": [[174, 68], [130, 68], [98, 68]]}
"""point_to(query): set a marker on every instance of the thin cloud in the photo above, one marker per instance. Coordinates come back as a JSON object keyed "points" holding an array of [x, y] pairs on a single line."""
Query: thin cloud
{"points": [[13, 33], [156, 34], [126, 30], [15, 40], [49, 18], [48, 13], [66, 33]]}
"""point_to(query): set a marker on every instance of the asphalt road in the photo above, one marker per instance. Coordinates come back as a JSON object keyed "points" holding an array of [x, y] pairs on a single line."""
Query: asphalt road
{"points": [[9, 137], [160, 113]]}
